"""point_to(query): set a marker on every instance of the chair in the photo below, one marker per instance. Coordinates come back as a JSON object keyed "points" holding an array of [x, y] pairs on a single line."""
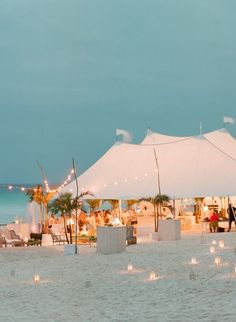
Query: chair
{"points": [[130, 238], [12, 238], [2, 241], [57, 237]]}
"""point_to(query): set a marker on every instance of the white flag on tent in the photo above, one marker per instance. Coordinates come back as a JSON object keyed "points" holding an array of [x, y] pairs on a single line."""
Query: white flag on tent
{"points": [[228, 120], [127, 137]]}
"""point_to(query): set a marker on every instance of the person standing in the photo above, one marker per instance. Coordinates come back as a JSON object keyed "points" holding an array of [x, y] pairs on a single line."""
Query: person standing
{"points": [[231, 213]]}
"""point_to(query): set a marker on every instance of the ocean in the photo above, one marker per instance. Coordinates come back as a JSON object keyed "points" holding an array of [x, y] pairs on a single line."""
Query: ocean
{"points": [[13, 203]]}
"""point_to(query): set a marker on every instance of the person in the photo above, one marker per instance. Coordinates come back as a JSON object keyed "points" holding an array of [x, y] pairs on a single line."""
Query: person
{"points": [[214, 219], [231, 214]]}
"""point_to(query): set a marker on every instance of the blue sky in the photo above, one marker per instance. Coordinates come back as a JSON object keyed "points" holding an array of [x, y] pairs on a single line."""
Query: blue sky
{"points": [[73, 71]]}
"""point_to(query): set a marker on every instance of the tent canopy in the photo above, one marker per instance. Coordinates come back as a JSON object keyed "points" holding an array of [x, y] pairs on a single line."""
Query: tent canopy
{"points": [[188, 167]]}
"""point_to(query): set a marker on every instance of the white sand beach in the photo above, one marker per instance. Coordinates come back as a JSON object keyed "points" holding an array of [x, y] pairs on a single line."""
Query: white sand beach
{"points": [[94, 287]]}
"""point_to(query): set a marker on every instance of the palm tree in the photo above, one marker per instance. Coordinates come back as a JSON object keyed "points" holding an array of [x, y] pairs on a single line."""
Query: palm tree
{"points": [[42, 199], [158, 201], [65, 204], [94, 203], [114, 206], [131, 202]]}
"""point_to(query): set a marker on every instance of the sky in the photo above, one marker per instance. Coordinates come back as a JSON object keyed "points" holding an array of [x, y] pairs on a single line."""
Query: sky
{"points": [[72, 71]]}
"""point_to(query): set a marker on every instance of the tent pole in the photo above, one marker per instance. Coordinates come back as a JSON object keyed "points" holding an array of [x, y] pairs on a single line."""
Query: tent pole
{"points": [[76, 209]]}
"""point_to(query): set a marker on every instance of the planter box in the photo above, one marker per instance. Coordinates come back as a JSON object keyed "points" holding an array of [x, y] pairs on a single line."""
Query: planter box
{"points": [[47, 240], [111, 240], [169, 230]]}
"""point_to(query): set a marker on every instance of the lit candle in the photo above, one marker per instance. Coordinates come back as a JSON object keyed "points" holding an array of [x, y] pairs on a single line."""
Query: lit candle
{"points": [[152, 276], [217, 261], [214, 242], [221, 243], [36, 279], [212, 249], [194, 261], [130, 268]]}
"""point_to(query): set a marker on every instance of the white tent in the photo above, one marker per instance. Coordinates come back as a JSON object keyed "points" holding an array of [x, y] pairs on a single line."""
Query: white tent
{"points": [[159, 138], [188, 167], [221, 139]]}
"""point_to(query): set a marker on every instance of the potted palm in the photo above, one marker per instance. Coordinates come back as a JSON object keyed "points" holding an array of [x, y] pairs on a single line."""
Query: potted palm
{"points": [[158, 201], [94, 203], [64, 205]]}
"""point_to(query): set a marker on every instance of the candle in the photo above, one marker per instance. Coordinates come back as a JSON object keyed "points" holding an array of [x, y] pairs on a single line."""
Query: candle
{"points": [[36, 279], [130, 268], [152, 276], [217, 261], [194, 261], [212, 249], [221, 243]]}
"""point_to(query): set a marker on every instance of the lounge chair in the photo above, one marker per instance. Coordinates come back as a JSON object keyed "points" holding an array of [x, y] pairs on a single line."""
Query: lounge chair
{"points": [[12, 238], [57, 237], [2, 241]]}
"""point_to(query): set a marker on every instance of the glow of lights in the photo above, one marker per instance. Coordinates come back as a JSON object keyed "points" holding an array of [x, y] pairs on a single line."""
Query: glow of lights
{"points": [[212, 249], [36, 279], [205, 208], [125, 180], [152, 276], [115, 183], [214, 242], [116, 222], [22, 189], [10, 187], [221, 243], [194, 261], [217, 261], [130, 268], [70, 221]]}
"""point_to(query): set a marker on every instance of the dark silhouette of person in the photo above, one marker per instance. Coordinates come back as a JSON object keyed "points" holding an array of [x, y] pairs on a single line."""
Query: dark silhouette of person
{"points": [[231, 213]]}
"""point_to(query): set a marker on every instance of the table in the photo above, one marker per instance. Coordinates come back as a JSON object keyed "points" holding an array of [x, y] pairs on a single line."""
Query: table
{"points": [[111, 240], [47, 240], [169, 230], [21, 229]]}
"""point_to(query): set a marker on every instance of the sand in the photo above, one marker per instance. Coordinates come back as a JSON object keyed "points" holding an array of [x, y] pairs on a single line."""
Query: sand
{"points": [[93, 287]]}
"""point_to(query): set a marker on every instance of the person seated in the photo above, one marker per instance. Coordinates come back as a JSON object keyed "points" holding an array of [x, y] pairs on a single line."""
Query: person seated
{"points": [[232, 217], [214, 219]]}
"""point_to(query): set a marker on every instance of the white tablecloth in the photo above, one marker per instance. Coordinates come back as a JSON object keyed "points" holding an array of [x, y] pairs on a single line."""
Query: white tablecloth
{"points": [[111, 240], [169, 230]]}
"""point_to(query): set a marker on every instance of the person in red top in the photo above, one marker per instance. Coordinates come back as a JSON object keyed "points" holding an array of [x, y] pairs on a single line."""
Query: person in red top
{"points": [[214, 219]]}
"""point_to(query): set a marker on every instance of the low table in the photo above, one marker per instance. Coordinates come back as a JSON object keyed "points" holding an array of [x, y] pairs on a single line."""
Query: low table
{"points": [[169, 230], [111, 240]]}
